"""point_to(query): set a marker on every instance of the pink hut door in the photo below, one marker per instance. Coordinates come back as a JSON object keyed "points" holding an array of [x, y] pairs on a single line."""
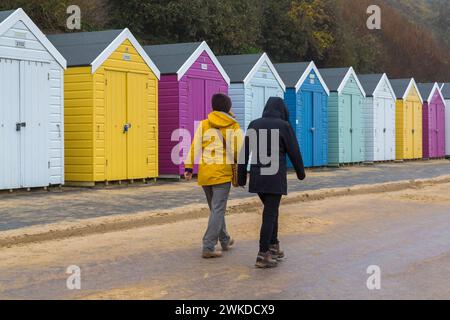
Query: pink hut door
{"points": [[432, 130], [201, 92], [196, 93], [441, 130]]}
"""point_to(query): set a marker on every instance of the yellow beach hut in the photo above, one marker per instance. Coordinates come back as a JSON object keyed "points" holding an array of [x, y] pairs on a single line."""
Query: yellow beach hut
{"points": [[408, 119], [111, 107]]}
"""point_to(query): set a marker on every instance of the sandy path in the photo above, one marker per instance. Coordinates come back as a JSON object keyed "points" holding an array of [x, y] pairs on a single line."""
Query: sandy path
{"points": [[162, 261]]}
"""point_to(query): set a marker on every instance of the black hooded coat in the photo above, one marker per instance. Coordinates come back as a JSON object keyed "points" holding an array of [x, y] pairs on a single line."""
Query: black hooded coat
{"points": [[275, 117]]}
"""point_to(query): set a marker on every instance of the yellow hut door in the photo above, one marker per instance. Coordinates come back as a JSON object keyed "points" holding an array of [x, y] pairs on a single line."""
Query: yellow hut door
{"points": [[418, 130], [137, 118], [116, 119], [409, 137], [126, 132]]}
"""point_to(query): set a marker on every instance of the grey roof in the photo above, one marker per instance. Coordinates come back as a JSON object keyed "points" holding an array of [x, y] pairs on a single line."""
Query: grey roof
{"points": [[5, 14], [400, 86], [425, 90], [239, 66], [446, 91], [169, 58], [291, 72], [82, 48], [370, 82], [333, 77]]}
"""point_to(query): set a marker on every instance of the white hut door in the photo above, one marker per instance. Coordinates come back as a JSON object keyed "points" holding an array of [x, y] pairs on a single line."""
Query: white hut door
{"points": [[258, 101], [270, 93], [9, 117], [34, 111], [389, 107], [380, 135]]}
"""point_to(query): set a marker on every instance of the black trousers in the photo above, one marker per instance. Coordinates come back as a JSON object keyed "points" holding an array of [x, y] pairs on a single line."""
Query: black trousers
{"points": [[269, 228]]}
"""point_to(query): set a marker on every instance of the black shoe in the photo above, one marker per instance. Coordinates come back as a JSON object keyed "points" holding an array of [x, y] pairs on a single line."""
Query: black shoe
{"points": [[265, 260], [276, 251]]}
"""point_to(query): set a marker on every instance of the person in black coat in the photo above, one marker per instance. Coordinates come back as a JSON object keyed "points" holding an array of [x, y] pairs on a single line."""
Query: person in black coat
{"points": [[267, 142]]}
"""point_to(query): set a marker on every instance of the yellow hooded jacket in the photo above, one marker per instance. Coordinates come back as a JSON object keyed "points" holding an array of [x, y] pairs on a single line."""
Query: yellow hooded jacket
{"points": [[208, 150]]}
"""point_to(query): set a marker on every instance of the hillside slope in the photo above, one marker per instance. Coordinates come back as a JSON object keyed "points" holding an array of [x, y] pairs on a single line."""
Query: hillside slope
{"points": [[402, 47], [414, 39]]}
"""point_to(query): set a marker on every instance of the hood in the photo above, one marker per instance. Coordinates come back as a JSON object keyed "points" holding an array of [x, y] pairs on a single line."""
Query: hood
{"points": [[276, 108], [220, 120]]}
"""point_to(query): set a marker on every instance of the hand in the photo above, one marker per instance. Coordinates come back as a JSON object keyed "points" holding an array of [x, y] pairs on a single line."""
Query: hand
{"points": [[188, 176]]}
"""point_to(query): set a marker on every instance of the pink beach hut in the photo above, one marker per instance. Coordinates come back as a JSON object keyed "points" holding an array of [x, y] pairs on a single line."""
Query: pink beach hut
{"points": [[190, 76], [433, 120]]}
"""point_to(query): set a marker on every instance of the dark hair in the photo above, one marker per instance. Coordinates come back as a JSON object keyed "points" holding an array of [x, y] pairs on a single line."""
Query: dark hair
{"points": [[221, 102]]}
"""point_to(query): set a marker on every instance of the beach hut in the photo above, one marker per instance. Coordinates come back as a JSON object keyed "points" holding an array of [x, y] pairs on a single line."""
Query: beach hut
{"points": [[31, 105], [307, 98], [111, 107], [446, 94], [345, 119], [254, 80], [408, 119], [433, 113], [379, 117], [191, 75]]}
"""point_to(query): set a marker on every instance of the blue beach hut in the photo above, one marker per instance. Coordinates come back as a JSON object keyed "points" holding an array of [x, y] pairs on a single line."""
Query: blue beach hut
{"points": [[307, 99]]}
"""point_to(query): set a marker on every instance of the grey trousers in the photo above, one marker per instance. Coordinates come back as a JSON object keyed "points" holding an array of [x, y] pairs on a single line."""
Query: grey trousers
{"points": [[217, 197]]}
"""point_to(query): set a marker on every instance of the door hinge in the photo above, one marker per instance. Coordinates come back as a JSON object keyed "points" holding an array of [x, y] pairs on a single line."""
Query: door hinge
{"points": [[106, 162], [106, 82], [147, 85], [49, 164], [48, 74]]}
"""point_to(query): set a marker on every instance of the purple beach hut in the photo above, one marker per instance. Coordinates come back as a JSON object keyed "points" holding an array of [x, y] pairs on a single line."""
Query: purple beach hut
{"points": [[433, 120], [190, 76]]}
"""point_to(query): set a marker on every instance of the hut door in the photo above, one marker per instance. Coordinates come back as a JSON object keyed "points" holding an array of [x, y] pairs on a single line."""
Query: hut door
{"points": [[347, 128], [380, 133], [270, 92], [198, 106], [197, 98], [432, 130], [308, 125], [137, 102], [34, 108], [211, 88], [318, 155], [116, 119], [417, 144], [389, 124], [441, 129], [410, 133], [258, 102], [10, 176], [356, 129]]}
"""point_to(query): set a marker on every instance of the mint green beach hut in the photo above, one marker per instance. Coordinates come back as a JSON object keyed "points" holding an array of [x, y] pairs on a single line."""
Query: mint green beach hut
{"points": [[345, 116]]}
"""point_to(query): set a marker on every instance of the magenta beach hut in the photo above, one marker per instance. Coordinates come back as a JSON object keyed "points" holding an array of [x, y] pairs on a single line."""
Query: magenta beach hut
{"points": [[433, 120], [190, 76]]}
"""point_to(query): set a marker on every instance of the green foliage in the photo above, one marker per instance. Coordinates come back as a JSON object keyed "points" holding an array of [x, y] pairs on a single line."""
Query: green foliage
{"points": [[229, 26]]}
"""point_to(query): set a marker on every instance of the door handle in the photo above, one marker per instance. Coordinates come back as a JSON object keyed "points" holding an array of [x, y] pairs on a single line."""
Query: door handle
{"points": [[351, 130], [384, 130], [313, 129], [20, 125]]}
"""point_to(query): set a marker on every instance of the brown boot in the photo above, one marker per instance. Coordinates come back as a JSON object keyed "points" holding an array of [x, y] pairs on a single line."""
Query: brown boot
{"points": [[265, 260], [228, 246], [211, 254], [276, 251]]}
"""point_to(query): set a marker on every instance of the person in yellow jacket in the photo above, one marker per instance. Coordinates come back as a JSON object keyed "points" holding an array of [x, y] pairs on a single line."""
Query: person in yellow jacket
{"points": [[215, 148]]}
